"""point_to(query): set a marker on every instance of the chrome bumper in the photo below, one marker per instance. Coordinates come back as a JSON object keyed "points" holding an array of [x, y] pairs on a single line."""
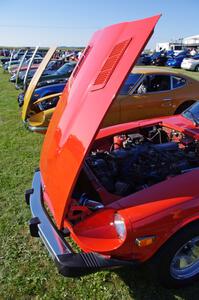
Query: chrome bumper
{"points": [[37, 128], [67, 261]]}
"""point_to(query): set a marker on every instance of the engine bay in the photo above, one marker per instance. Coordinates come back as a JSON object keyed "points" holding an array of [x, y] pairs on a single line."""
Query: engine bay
{"points": [[121, 165], [138, 160]]}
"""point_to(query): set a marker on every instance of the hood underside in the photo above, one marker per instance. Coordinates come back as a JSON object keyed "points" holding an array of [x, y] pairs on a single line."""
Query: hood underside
{"points": [[92, 87], [34, 82]]}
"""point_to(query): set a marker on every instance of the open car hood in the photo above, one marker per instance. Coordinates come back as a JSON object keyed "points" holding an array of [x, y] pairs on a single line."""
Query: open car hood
{"points": [[34, 82], [92, 87]]}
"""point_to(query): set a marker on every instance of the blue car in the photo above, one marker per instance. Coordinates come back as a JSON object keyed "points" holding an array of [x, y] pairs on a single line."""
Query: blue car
{"points": [[146, 59], [43, 91], [170, 53], [175, 61]]}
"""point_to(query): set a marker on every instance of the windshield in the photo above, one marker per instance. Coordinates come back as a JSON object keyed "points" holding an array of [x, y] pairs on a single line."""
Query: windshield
{"points": [[129, 83], [192, 113], [66, 68], [30, 73], [181, 54], [50, 64]]}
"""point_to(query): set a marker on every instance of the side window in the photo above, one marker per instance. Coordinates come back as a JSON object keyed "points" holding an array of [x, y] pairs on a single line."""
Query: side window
{"points": [[158, 83], [154, 83], [178, 81]]}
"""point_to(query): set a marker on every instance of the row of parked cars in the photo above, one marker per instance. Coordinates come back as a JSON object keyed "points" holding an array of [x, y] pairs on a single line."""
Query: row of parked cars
{"points": [[180, 59], [117, 174], [168, 91]]}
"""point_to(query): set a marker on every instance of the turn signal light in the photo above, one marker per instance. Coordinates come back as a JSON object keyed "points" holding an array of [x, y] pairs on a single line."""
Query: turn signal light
{"points": [[145, 241]]}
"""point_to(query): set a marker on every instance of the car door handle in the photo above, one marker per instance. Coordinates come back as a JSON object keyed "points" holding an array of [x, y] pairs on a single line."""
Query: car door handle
{"points": [[167, 99]]}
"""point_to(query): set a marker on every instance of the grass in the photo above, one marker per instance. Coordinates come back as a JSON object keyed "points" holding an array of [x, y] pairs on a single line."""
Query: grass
{"points": [[26, 271]]}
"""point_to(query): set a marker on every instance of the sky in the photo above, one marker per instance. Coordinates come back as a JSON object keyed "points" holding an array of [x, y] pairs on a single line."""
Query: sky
{"points": [[71, 23]]}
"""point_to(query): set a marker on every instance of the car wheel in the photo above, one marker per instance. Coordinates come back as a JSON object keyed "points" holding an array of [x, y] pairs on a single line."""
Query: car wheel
{"points": [[177, 263], [197, 68], [182, 107]]}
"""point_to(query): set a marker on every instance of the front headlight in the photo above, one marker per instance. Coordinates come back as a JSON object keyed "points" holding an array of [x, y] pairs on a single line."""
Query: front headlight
{"points": [[50, 81], [120, 226], [36, 96], [47, 104]]}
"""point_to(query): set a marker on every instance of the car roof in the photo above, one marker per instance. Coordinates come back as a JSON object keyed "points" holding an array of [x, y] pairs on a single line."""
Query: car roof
{"points": [[154, 70]]}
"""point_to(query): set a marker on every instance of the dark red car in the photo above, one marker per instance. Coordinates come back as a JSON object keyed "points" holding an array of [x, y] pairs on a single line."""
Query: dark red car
{"points": [[126, 194]]}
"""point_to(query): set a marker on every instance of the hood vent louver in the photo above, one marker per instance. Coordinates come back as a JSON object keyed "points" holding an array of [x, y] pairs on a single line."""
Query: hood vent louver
{"points": [[110, 64]]}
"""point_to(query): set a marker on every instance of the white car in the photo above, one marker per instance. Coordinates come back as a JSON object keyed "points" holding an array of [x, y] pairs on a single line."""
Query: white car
{"points": [[191, 63]]}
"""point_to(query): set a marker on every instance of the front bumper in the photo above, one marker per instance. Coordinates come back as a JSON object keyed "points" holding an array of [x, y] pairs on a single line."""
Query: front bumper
{"points": [[68, 262], [187, 67], [38, 129]]}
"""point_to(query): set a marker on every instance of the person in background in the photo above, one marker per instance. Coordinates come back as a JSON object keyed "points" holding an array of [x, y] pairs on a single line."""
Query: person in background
{"points": [[79, 54], [193, 52]]}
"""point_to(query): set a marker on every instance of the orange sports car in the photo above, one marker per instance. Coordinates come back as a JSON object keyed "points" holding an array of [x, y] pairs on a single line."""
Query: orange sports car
{"points": [[125, 194]]}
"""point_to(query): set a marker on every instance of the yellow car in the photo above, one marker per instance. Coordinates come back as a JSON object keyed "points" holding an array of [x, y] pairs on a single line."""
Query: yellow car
{"points": [[146, 93]]}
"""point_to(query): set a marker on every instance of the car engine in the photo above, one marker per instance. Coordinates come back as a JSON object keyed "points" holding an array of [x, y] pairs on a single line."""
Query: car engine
{"points": [[139, 160]]}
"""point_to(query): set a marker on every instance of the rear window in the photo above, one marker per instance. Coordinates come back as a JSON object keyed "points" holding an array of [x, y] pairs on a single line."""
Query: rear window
{"points": [[129, 83], [178, 81]]}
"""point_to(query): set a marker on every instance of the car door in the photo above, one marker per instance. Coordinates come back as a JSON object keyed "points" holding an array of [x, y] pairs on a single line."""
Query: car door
{"points": [[185, 91], [113, 116], [152, 98]]}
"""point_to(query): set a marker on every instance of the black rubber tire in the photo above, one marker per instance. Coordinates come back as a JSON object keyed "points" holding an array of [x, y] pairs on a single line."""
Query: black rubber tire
{"points": [[197, 68], [162, 260], [183, 106]]}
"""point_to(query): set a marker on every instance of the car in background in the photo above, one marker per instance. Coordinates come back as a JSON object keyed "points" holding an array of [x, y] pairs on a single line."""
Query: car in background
{"points": [[44, 91], [191, 63], [10, 63], [63, 72], [3, 60], [5, 52], [51, 69], [22, 74], [170, 53], [146, 59], [35, 64], [159, 58], [15, 64], [175, 61], [14, 71], [126, 194]]}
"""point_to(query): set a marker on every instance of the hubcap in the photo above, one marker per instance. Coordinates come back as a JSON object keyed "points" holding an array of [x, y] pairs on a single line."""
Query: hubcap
{"points": [[185, 263]]}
